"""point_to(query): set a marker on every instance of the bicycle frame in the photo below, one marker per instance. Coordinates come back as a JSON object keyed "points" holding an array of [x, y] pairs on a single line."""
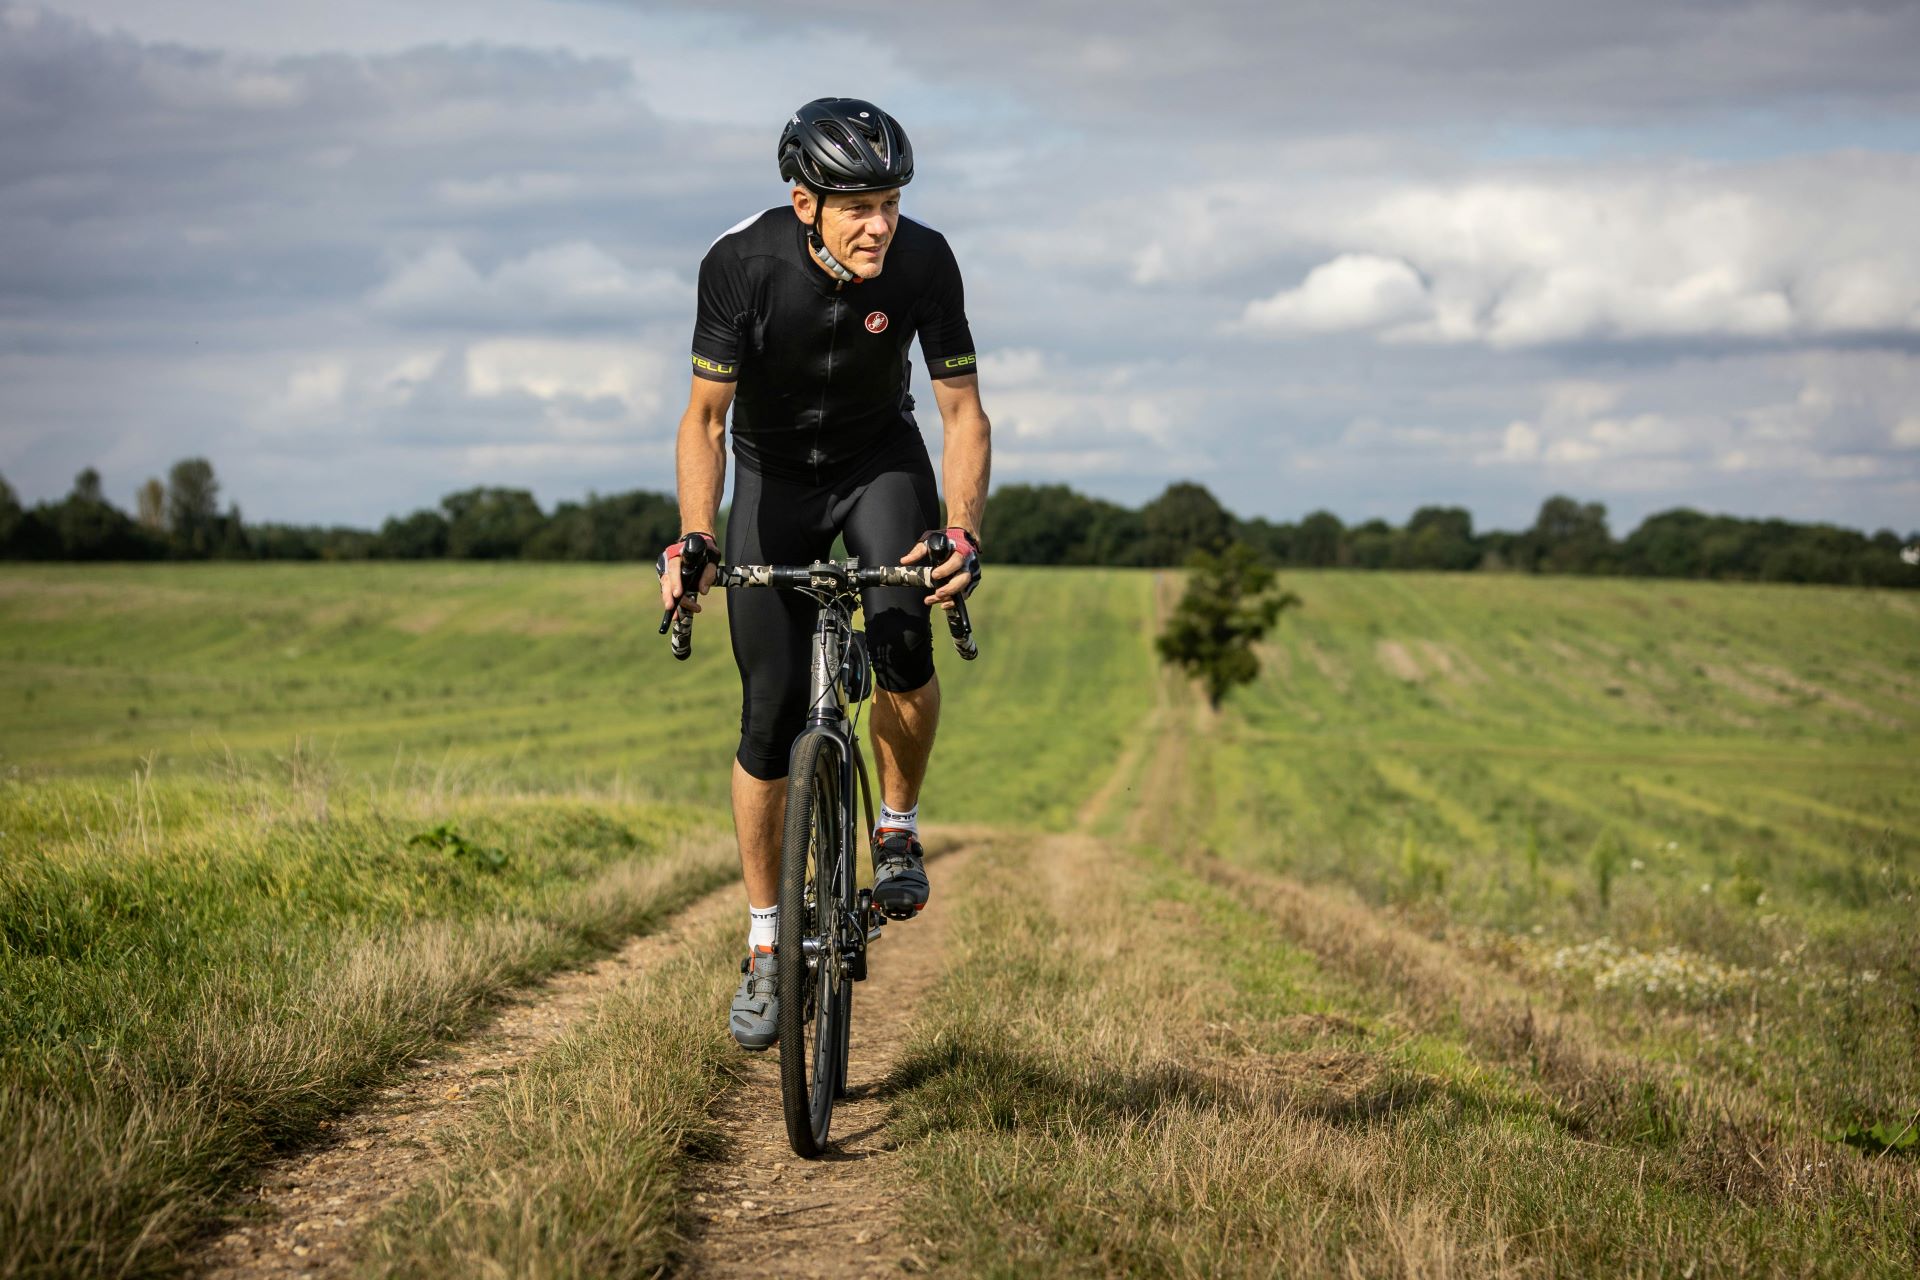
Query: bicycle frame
{"points": [[827, 717], [832, 923]]}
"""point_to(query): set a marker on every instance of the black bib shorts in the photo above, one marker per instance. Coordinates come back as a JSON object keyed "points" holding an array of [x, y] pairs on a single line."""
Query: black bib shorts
{"points": [[882, 509]]}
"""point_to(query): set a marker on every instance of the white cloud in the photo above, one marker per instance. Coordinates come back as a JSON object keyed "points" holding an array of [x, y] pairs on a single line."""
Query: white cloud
{"points": [[1354, 291], [413, 369], [316, 388], [1013, 367], [1649, 254], [555, 370], [1833, 425], [1520, 442], [571, 283], [511, 190]]}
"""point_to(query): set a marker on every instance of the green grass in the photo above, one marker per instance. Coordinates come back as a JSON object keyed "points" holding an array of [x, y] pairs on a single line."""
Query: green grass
{"points": [[267, 832], [1507, 924], [1720, 772], [537, 676], [1187, 1080]]}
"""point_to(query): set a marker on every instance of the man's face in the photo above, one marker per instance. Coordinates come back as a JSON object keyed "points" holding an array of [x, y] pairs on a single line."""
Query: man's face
{"points": [[857, 229]]}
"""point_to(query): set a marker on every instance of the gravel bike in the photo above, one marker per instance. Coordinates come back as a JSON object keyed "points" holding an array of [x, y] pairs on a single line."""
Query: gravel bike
{"points": [[825, 916]]}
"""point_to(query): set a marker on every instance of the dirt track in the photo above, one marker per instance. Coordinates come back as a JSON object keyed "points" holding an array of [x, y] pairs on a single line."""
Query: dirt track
{"points": [[760, 1209], [309, 1208]]}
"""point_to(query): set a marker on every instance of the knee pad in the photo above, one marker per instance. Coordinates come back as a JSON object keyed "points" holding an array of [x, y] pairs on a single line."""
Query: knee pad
{"points": [[901, 644], [768, 727]]}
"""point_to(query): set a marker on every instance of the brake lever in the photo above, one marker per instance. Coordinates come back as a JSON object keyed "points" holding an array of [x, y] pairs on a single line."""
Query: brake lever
{"points": [[959, 625], [679, 618]]}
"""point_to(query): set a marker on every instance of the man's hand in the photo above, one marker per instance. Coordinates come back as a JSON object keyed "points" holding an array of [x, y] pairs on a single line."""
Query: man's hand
{"points": [[958, 574], [672, 586]]}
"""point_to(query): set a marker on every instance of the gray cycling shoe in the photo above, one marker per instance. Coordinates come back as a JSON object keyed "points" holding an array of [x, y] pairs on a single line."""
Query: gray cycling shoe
{"points": [[899, 874], [755, 1014]]}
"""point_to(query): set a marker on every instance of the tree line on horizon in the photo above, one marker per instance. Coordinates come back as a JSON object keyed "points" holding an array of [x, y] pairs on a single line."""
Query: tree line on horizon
{"points": [[1052, 524]]}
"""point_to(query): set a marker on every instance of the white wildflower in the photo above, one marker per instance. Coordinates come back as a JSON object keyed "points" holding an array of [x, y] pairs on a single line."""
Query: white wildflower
{"points": [[1669, 974]]}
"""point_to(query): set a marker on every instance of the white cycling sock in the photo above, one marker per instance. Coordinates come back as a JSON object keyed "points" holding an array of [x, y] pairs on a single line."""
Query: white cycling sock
{"points": [[764, 929], [899, 819]]}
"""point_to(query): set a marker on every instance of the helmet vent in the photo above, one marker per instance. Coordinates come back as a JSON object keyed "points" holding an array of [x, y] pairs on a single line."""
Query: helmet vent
{"points": [[833, 132]]}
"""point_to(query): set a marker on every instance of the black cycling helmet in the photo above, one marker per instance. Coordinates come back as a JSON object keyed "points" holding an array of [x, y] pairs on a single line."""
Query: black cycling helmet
{"points": [[845, 145]]}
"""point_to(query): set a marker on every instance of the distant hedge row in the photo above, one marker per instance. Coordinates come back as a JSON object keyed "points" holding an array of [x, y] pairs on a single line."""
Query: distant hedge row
{"points": [[1052, 524], [1025, 524]]}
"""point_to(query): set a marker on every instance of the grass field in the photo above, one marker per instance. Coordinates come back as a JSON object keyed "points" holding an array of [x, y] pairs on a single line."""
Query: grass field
{"points": [[1505, 926]]}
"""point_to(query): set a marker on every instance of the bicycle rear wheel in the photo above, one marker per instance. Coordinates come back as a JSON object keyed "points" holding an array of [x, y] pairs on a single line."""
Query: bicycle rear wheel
{"points": [[815, 908]]}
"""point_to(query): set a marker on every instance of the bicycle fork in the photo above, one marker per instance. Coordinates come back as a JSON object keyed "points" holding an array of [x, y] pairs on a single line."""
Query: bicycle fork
{"points": [[827, 714]]}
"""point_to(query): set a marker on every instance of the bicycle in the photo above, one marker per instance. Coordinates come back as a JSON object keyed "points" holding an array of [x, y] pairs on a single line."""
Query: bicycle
{"points": [[824, 916]]}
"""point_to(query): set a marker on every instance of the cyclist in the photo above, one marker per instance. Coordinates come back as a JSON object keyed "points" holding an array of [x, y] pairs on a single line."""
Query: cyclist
{"points": [[804, 318]]}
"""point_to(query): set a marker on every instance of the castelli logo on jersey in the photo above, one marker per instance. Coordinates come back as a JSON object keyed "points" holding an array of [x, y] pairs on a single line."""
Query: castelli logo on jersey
{"points": [[876, 321]]}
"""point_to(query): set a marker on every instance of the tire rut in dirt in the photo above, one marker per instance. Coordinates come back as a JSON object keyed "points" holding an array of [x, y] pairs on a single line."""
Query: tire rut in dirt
{"points": [[311, 1207]]}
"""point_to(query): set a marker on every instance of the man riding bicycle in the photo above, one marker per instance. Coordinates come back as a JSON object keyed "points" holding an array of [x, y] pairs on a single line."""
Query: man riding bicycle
{"points": [[805, 316]]}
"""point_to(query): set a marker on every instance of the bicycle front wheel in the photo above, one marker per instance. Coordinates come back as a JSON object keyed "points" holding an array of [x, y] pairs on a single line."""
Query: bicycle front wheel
{"points": [[815, 898]]}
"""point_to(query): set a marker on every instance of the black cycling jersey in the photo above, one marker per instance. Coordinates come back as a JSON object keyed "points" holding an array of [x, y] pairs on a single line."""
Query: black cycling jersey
{"points": [[822, 366]]}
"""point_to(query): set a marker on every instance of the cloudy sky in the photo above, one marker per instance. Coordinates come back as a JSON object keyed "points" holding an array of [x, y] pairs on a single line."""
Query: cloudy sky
{"points": [[1361, 255]]}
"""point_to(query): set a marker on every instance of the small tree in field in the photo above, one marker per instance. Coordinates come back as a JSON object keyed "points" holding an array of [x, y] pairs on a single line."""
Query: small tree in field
{"points": [[1231, 602]]}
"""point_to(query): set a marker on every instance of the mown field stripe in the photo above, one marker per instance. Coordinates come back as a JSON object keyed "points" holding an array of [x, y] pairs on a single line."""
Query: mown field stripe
{"points": [[1700, 804], [1652, 751], [1793, 799], [1407, 780]]}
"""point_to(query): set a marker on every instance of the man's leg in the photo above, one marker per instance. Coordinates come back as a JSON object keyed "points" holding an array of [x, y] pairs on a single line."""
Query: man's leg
{"points": [[754, 1015], [769, 631], [759, 806], [903, 730], [881, 524]]}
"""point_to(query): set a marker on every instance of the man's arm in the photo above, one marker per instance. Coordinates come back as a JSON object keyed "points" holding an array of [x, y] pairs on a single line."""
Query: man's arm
{"points": [[966, 464], [700, 466]]}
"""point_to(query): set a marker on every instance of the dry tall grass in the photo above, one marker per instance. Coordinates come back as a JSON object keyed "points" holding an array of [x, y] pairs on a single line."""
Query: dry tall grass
{"points": [[124, 1121], [574, 1166], [1145, 1070]]}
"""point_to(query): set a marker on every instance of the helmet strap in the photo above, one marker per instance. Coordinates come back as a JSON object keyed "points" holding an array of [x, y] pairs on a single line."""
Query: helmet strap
{"points": [[817, 244]]}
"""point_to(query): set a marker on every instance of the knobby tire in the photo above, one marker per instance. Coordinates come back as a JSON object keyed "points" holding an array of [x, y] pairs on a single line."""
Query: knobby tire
{"points": [[815, 1002]]}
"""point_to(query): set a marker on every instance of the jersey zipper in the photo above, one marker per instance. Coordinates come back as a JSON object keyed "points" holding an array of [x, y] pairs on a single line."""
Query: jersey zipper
{"points": [[833, 342]]}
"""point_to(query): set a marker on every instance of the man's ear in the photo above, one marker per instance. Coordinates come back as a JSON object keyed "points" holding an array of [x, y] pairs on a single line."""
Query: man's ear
{"points": [[803, 204]]}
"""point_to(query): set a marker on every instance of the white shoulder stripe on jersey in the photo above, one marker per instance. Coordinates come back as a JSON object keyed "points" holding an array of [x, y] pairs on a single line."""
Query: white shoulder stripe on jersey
{"points": [[741, 225]]}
